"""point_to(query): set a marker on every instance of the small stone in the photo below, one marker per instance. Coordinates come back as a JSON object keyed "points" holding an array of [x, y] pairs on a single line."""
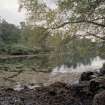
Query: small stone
{"points": [[86, 76], [99, 98], [102, 70]]}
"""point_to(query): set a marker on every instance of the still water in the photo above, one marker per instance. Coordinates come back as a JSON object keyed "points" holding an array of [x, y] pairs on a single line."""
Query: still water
{"points": [[63, 74], [95, 65]]}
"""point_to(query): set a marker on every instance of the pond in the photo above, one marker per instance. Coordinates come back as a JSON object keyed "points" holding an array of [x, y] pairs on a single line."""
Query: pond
{"points": [[62, 73]]}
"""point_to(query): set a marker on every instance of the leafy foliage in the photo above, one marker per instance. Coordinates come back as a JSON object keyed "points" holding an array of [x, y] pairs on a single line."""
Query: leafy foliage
{"points": [[35, 36], [9, 33], [57, 36], [88, 15]]}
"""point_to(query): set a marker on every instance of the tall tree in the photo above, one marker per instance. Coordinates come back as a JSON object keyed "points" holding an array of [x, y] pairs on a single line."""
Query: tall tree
{"points": [[72, 19], [9, 33], [87, 15]]}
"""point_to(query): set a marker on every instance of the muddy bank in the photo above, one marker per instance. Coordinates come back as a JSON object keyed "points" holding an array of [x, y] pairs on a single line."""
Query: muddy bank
{"points": [[28, 77]]}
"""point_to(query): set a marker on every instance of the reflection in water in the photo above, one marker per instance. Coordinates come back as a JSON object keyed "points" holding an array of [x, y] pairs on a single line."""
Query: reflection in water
{"points": [[95, 65], [70, 75], [63, 74]]}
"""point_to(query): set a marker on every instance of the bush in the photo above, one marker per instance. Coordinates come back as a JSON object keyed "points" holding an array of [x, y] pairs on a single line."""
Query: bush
{"points": [[20, 50], [16, 50]]}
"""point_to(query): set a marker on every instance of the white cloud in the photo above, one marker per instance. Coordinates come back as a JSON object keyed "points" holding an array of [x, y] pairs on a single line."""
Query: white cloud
{"points": [[51, 3], [11, 16], [9, 11], [8, 4]]}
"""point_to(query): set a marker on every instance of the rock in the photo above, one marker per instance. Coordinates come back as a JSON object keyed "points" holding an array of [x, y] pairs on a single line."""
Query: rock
{"points": [[55, 94], [86, 76], [102, 70], [99, 98], [97, 84], [93, 86], [80, 88]]}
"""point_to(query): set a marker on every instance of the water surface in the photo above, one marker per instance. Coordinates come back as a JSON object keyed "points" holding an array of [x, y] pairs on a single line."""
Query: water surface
{"points": [[63, 74]]}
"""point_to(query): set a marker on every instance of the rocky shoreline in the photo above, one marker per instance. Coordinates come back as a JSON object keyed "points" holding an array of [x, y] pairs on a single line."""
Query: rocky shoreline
{"points": [[90, 90]]}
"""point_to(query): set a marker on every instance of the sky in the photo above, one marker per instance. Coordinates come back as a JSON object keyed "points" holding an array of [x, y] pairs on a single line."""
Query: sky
{"points": [[9, 11]]}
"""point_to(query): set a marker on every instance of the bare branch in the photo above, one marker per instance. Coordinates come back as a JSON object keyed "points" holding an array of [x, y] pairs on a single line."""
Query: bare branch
{"points": [[80, 21], [102, 38]]}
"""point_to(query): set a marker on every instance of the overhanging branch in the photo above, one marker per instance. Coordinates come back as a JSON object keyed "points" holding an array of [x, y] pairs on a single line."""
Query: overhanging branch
{"points": [[81, 21], [91, 34]]}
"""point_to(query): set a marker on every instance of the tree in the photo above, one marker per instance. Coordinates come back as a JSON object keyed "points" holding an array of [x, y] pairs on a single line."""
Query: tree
{"points": [[88, 15], [35, 37], [74, 20], [9, 33]]}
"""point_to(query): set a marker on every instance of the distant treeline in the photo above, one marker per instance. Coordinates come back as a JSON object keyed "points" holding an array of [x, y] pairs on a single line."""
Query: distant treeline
{"points": [[53, 48]]}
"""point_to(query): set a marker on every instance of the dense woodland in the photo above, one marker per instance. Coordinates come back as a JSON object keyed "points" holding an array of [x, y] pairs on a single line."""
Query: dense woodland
{"points": [[71, 33], [39, 41]]}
